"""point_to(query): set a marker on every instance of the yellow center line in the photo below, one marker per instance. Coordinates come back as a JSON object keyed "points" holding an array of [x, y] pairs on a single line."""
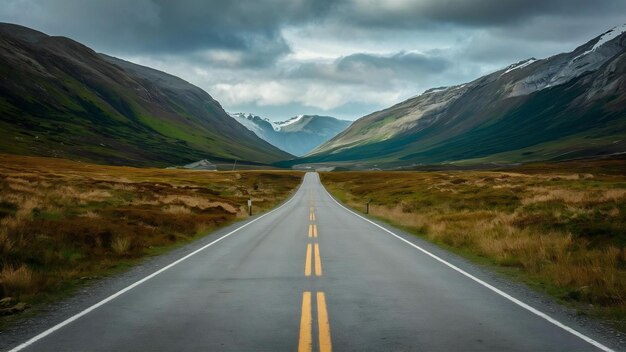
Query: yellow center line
{"points": [[314, 230], [307, 263], [306, 340], [310, 230], [312, 216], [323, 324], [318, 261]]}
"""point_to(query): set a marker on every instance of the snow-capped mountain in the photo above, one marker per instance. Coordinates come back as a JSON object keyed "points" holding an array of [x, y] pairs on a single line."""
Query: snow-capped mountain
{"points": [[262, 127], [560, 69], [278, 125], [569, 105], [297, 135]]}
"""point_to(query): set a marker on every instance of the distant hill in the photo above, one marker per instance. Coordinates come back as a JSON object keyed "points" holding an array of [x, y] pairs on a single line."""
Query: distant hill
{"points": [[568, 106], [297, 135], [60, 98]]}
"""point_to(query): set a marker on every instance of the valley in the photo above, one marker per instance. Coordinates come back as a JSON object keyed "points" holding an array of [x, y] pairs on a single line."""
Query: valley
{"points": [[136, 213], [298, 135]]}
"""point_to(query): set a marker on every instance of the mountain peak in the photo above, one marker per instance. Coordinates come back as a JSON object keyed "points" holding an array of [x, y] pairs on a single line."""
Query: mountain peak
{"points": [[280, 124], [603, 39], [297, 135], [610, 35], [22, 33]]}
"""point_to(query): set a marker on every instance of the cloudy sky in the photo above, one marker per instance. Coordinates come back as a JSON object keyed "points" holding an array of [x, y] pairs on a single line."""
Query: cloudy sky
{"points": [[344, 58]]}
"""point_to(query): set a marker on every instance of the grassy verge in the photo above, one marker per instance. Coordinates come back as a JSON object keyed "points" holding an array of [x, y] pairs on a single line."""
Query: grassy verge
{"points": [[560, 232], [63, 223]]}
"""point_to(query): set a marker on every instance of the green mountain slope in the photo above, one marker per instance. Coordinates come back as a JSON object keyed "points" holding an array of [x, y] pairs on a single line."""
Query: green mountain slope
{"points": [[60, 98], [567, 106]]}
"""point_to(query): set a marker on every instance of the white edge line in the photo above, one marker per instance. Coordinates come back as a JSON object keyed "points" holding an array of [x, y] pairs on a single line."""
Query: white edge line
{"points": [[128, 288], [483, 283]]}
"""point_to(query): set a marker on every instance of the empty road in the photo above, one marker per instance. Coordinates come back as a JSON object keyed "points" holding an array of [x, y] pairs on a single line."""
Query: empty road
{"points": [[312, 276]]}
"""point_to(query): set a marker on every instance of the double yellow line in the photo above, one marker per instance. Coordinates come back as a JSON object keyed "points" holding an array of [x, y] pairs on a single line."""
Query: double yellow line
{"points": [[313, 258], [306, 324], [313, 228], [312, 250], [317, 260]]}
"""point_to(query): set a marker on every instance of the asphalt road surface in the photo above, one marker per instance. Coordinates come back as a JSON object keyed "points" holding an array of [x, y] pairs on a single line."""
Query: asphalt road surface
{"points": [[312, 276]]}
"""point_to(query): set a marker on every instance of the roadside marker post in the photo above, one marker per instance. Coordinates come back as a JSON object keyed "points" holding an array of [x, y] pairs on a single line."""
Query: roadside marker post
{"points": [[250, 207], [367, 206]]}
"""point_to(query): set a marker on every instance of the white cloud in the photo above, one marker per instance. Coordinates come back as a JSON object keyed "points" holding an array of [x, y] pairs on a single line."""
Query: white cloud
{"points": [[307, 93], [263, 93]]}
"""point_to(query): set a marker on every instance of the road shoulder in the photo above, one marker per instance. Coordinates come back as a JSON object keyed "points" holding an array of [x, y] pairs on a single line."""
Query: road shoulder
{"points": [[586, 325]]}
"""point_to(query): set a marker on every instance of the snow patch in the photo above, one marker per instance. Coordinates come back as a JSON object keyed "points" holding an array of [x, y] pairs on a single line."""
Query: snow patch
{"points": [[520, 64], [248, 120], [606, 37], [560, 69], [248, 116], [276, 125], [436, 90], [280, 124]]}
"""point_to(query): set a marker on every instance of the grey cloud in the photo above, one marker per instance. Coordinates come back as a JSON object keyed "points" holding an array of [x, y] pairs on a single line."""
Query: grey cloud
{"points": [[239, 51], [362, 68], [251, 29], [258, 52], [169, 27], [540, 38], [427, 13], [403, 62]]}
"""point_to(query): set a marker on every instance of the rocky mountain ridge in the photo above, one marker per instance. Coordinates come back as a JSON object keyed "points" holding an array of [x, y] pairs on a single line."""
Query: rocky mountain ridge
{"points": [[569, 105]]}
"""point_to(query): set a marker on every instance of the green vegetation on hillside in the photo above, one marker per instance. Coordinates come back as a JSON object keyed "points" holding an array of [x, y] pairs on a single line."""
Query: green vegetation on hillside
{"points": [[59, 98]]}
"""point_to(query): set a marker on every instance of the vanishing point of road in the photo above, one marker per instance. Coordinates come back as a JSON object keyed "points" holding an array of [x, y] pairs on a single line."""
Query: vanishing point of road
{"points": [[311, 275]]}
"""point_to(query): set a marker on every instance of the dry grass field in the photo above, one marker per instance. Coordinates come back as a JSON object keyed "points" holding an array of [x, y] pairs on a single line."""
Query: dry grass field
{"points": [[560, 231], [63, 222]]}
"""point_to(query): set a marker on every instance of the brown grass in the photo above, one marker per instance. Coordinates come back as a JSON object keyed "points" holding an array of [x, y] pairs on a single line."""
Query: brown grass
{"points": [[560, 231], [177, 209], [16, 280], [121, 245], [62, 220]]}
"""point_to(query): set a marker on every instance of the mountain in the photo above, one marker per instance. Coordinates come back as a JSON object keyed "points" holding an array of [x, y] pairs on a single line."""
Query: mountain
{"points": [[571, 105], [60, 98], [297, 135]]}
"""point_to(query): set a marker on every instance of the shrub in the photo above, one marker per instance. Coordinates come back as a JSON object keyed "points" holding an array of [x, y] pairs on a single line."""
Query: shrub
{"points": [[16, 281]]}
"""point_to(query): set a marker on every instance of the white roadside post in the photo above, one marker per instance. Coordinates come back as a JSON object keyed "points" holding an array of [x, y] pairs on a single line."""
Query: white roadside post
{"points": [[250, 207]]}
